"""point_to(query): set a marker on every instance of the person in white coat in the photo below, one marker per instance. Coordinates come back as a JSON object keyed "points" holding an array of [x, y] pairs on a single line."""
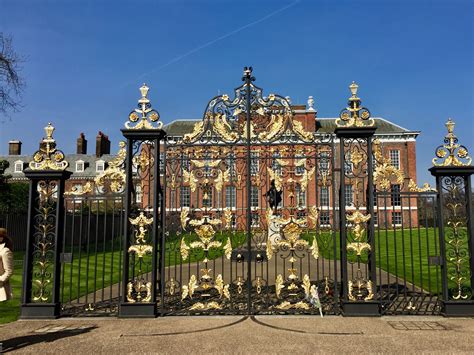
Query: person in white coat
{"points": [[6, 265]]}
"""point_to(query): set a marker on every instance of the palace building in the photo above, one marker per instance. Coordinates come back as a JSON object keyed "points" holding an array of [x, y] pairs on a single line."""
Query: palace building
{"points": [[398, 146]]}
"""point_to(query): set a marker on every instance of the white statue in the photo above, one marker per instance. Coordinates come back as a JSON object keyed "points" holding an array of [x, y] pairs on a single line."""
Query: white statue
{"points": [[310, 104]]}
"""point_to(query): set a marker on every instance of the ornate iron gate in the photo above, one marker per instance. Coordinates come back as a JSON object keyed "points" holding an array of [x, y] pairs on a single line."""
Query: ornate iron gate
{"points": [[243, 209], [253, 212]]}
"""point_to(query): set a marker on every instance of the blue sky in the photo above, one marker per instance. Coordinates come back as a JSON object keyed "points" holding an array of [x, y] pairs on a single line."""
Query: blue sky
{"points": [[413, 61]]}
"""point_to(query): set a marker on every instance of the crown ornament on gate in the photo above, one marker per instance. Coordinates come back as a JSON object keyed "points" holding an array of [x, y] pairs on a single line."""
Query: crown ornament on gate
{"points": [[144, 117], [451, 153], [47, 157], [354, 115]]}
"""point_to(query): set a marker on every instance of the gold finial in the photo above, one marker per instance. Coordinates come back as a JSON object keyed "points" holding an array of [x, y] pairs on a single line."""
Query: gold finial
{"points": [[145, 114], [49, 129], [144, 91], [48, 157], [353, 87], [354, 115], [451, 153]]}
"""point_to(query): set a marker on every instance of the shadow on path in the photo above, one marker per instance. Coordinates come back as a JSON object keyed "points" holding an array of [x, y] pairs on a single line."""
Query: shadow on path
{"points": [[13, 344], [190, 331]]}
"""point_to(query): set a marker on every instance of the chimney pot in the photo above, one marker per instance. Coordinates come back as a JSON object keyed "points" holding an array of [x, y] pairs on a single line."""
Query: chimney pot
{"points": [[81, 144], [14, 148]]}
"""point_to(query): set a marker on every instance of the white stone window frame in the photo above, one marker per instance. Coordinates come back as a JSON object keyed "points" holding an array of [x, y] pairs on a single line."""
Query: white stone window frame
{"points": [[100, 166], [18, 166], [78, 164], [395, 158]]}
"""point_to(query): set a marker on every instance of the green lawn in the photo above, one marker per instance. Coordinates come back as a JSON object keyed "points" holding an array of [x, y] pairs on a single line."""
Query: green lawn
{"points": [[10, 310], [401, 253]]}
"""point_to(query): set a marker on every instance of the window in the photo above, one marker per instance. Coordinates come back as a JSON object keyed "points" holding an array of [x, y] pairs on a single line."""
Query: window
{"points": [[100, 166], [324, 218], [301, 214], [230, 162], [254, 163], [207, 198], [348, 195], [254, 196], [138, 191], [207, 161], [300, 196], [185, 196], [230, 196], [162, 163], [376, 219], [396, 218], [324, 196], [347, 164], [79, 166], [395, 158], [324, 162], [276, 167], [185, 163], [395, 198], [18, 166]]}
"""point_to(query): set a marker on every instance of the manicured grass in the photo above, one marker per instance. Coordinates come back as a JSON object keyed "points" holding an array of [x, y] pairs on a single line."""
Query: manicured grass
{"points": [[10, 310], [403, 253]]}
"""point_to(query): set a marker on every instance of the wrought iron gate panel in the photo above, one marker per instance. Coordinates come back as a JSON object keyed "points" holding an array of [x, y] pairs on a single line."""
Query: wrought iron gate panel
{"points": [[408, 253], [231, 246], [92, 246], [91, 260]]}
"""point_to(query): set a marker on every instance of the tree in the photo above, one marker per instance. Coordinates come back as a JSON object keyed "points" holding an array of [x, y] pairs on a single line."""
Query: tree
{"points": [[11, 83]]}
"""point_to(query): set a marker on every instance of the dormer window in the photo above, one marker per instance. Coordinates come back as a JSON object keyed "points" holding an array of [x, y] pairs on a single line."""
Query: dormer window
{"points": [[100, 166], [18, 166], [79, 166]]}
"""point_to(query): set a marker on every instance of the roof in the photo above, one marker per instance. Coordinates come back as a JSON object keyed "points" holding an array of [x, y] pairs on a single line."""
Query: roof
{"points": [[323, 125], [384, 126], [89, 166]]}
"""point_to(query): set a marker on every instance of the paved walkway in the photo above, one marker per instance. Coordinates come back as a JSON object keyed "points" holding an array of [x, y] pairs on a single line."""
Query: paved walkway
{"points": [[241, 335]]}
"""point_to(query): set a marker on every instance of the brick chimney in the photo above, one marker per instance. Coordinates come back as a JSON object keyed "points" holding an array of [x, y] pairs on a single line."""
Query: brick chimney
{"points": [[102, 144], [82, 144], [14, 148]]}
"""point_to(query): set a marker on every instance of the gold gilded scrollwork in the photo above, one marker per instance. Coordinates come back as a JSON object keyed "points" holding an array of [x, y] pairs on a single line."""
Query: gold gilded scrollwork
{"points": [[358, 220], [384, 172], [413, 187], [136, 289], [354, 115], [451, 153], [48, 157], [145, 115], [360, 289], [223, 128], [198, 130]]}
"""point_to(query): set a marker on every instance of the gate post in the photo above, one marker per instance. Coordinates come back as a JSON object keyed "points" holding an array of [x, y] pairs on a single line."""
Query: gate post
{"points": [[143, 223], [355, 130], [41, 274], [453, 170]]}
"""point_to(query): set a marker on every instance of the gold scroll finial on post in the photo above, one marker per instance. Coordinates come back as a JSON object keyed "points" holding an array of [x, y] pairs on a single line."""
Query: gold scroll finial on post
{"points": [[144, 117], [354, 115], [47, 157], [451, 153]]}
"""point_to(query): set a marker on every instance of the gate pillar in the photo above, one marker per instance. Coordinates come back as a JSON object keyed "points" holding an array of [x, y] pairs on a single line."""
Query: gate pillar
{"points": [[355, 130], [143, 234], [41, 274], [453, 170]]}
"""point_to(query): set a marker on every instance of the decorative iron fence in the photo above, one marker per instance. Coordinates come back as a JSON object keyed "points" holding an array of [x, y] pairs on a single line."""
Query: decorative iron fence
{"points": [[250, 213]]}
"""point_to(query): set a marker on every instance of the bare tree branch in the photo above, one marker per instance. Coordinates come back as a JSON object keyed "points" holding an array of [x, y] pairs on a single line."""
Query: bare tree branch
{"points": [[11, 83]]}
